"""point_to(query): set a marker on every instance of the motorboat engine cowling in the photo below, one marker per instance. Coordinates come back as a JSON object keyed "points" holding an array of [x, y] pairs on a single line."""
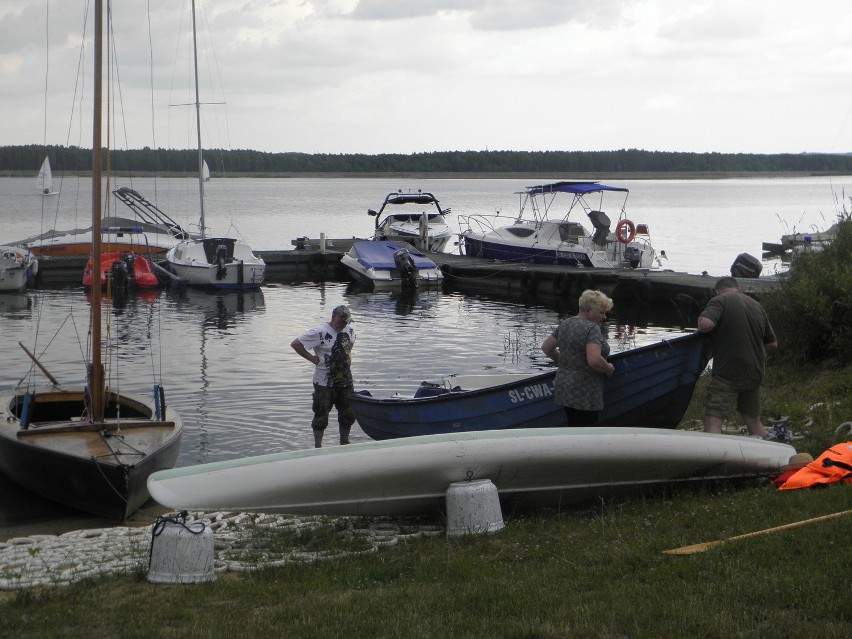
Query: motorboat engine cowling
{"points": [[407, 269], [633, 256], [600, 221], [221, 260]]}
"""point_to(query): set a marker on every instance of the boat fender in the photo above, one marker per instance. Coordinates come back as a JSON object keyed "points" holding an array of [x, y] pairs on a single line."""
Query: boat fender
{"points": [[529, 282], [159, 402], [447, 270], [562, 285], [631, 231], [27, 410], [582, 283], [316, 265]]}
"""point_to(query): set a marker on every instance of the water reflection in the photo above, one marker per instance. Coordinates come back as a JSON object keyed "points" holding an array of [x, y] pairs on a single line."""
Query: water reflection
{"points": [[227, 367]]}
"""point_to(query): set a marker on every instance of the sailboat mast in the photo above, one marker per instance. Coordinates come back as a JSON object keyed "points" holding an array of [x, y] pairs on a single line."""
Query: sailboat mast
{"points": [[198, 121], [96, 380]]}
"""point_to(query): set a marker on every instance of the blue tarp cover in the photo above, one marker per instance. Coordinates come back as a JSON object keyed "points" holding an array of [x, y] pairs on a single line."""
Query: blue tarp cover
{"points": [[379, 255]]}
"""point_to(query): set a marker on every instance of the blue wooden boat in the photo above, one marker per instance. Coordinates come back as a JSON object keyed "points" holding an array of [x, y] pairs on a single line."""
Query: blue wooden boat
{"points": [[652, 387]]}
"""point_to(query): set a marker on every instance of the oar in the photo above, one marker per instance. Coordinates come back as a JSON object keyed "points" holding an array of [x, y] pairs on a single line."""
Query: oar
{"points": [[38, 363], [707, 545]]}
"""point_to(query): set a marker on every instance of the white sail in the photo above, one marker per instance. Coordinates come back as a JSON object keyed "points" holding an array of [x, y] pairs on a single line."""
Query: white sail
{"points": [[205, 172], [45, 178]]}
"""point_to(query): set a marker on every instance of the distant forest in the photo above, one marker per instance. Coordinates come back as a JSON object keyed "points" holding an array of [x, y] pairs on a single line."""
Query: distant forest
{"points": [[22, 160]]}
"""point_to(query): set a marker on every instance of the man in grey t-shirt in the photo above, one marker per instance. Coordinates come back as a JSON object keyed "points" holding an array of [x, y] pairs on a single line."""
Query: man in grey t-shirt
{"points": [[741, 336]]}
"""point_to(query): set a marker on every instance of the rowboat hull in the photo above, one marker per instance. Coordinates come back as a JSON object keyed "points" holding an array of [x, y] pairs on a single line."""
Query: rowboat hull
{"points": [[652, 386], [410, 476]]}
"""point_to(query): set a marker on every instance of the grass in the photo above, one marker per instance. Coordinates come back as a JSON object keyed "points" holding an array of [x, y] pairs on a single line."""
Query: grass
{"points": [[597, 571]]}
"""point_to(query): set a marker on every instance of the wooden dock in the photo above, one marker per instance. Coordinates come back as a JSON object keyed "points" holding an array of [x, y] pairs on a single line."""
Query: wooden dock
{"points": [[682, 293]]}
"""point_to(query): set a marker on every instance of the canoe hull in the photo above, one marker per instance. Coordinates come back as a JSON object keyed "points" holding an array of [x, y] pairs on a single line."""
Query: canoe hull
{"points": [[410, 476]]}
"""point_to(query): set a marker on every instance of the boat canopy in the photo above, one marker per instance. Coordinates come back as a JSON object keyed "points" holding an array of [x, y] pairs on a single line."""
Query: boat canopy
{"points": [[577, 188]]}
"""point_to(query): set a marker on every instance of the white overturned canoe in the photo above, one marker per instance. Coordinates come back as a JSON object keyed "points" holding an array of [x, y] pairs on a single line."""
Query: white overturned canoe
{"points": [[410, 476]]}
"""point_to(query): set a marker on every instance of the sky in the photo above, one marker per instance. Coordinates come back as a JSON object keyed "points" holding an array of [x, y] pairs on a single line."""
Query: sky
{"points": [[417, 76]]}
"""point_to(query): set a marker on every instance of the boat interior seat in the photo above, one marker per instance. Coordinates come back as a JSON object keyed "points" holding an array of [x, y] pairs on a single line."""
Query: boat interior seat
{"points": [[571, 231]]}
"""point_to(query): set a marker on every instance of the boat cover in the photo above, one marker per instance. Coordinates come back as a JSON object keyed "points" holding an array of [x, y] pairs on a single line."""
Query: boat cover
{"points": [[379, 255]]}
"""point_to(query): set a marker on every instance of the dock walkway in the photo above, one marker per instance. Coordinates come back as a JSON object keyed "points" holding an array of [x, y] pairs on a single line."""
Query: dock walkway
{"points": [[469, 275]]}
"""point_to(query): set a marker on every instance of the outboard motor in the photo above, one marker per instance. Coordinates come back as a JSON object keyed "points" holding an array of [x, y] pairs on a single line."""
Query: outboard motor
{"points": [[130, 262], [633, 255], [746, 266], [600, 221], [407, 269], [221, 260], [119, 277]]}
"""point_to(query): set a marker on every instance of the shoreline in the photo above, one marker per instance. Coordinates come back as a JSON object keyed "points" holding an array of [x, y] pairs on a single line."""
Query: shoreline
{"points": [[446, 175]]}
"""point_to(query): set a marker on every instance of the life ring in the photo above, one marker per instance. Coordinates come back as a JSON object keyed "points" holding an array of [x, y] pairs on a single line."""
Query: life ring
{"points": [[631, 231]]}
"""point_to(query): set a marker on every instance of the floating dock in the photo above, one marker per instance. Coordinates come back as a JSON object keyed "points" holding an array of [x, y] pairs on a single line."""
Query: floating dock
{"points": [[629, 288]]}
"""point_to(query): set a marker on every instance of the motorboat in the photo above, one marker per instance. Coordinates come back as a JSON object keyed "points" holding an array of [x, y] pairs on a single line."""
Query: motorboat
{"points": [[18, 268], [545, 234], [651, 387], [212, 262], [383, 264], [149, 231], [122, 270], [88, 446], [798, 243], [416, 218]]}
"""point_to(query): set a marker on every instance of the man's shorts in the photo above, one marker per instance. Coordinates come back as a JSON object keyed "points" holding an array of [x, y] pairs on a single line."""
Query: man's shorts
{"points": [[324, 399], [723, 395]]}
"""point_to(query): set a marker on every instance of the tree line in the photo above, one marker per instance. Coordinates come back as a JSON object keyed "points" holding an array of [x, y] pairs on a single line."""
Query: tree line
{"points": [[22, 159]]}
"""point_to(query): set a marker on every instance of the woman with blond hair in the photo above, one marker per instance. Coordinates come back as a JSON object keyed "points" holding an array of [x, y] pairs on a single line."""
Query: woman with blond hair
{"points": [[580, 349]]}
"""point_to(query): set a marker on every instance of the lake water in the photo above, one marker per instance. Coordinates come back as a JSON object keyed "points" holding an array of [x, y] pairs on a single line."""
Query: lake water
{"points": [[225, 359]]}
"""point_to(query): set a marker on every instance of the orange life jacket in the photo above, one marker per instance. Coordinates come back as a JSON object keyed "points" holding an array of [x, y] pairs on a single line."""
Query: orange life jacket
{"points": [[833, 466]]}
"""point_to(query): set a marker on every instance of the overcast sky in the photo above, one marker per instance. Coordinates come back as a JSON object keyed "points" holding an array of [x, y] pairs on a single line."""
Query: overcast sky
{"points": [[407, 76]]}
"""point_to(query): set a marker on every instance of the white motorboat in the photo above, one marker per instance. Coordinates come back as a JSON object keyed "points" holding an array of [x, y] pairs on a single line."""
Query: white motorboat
{"points": [[540, 235], [213, 262], [384, 264], [18, 268], [411, 222]]}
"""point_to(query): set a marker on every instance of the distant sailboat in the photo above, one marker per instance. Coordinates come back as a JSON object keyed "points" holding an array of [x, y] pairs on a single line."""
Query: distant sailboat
{"points": [[45, 179], [205, 171]]}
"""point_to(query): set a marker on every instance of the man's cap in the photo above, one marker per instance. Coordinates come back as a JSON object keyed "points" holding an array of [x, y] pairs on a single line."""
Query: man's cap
{"points": [[344, 312]]}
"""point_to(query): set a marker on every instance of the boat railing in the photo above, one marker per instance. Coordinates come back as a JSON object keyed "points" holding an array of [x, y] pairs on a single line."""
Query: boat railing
{"points": [[483, 222]]}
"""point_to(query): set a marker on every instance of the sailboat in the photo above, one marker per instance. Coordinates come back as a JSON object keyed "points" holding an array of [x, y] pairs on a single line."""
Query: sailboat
{"points": [[45, 179], [213, 262], [205, 172], [91, 448]]}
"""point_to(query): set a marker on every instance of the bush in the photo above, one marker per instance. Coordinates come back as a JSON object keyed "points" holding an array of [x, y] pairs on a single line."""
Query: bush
{"points": [[812, 310]]}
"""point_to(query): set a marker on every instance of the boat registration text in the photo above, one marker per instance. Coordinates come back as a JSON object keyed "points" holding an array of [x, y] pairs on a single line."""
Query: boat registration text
{"points": [[530, 393]]}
